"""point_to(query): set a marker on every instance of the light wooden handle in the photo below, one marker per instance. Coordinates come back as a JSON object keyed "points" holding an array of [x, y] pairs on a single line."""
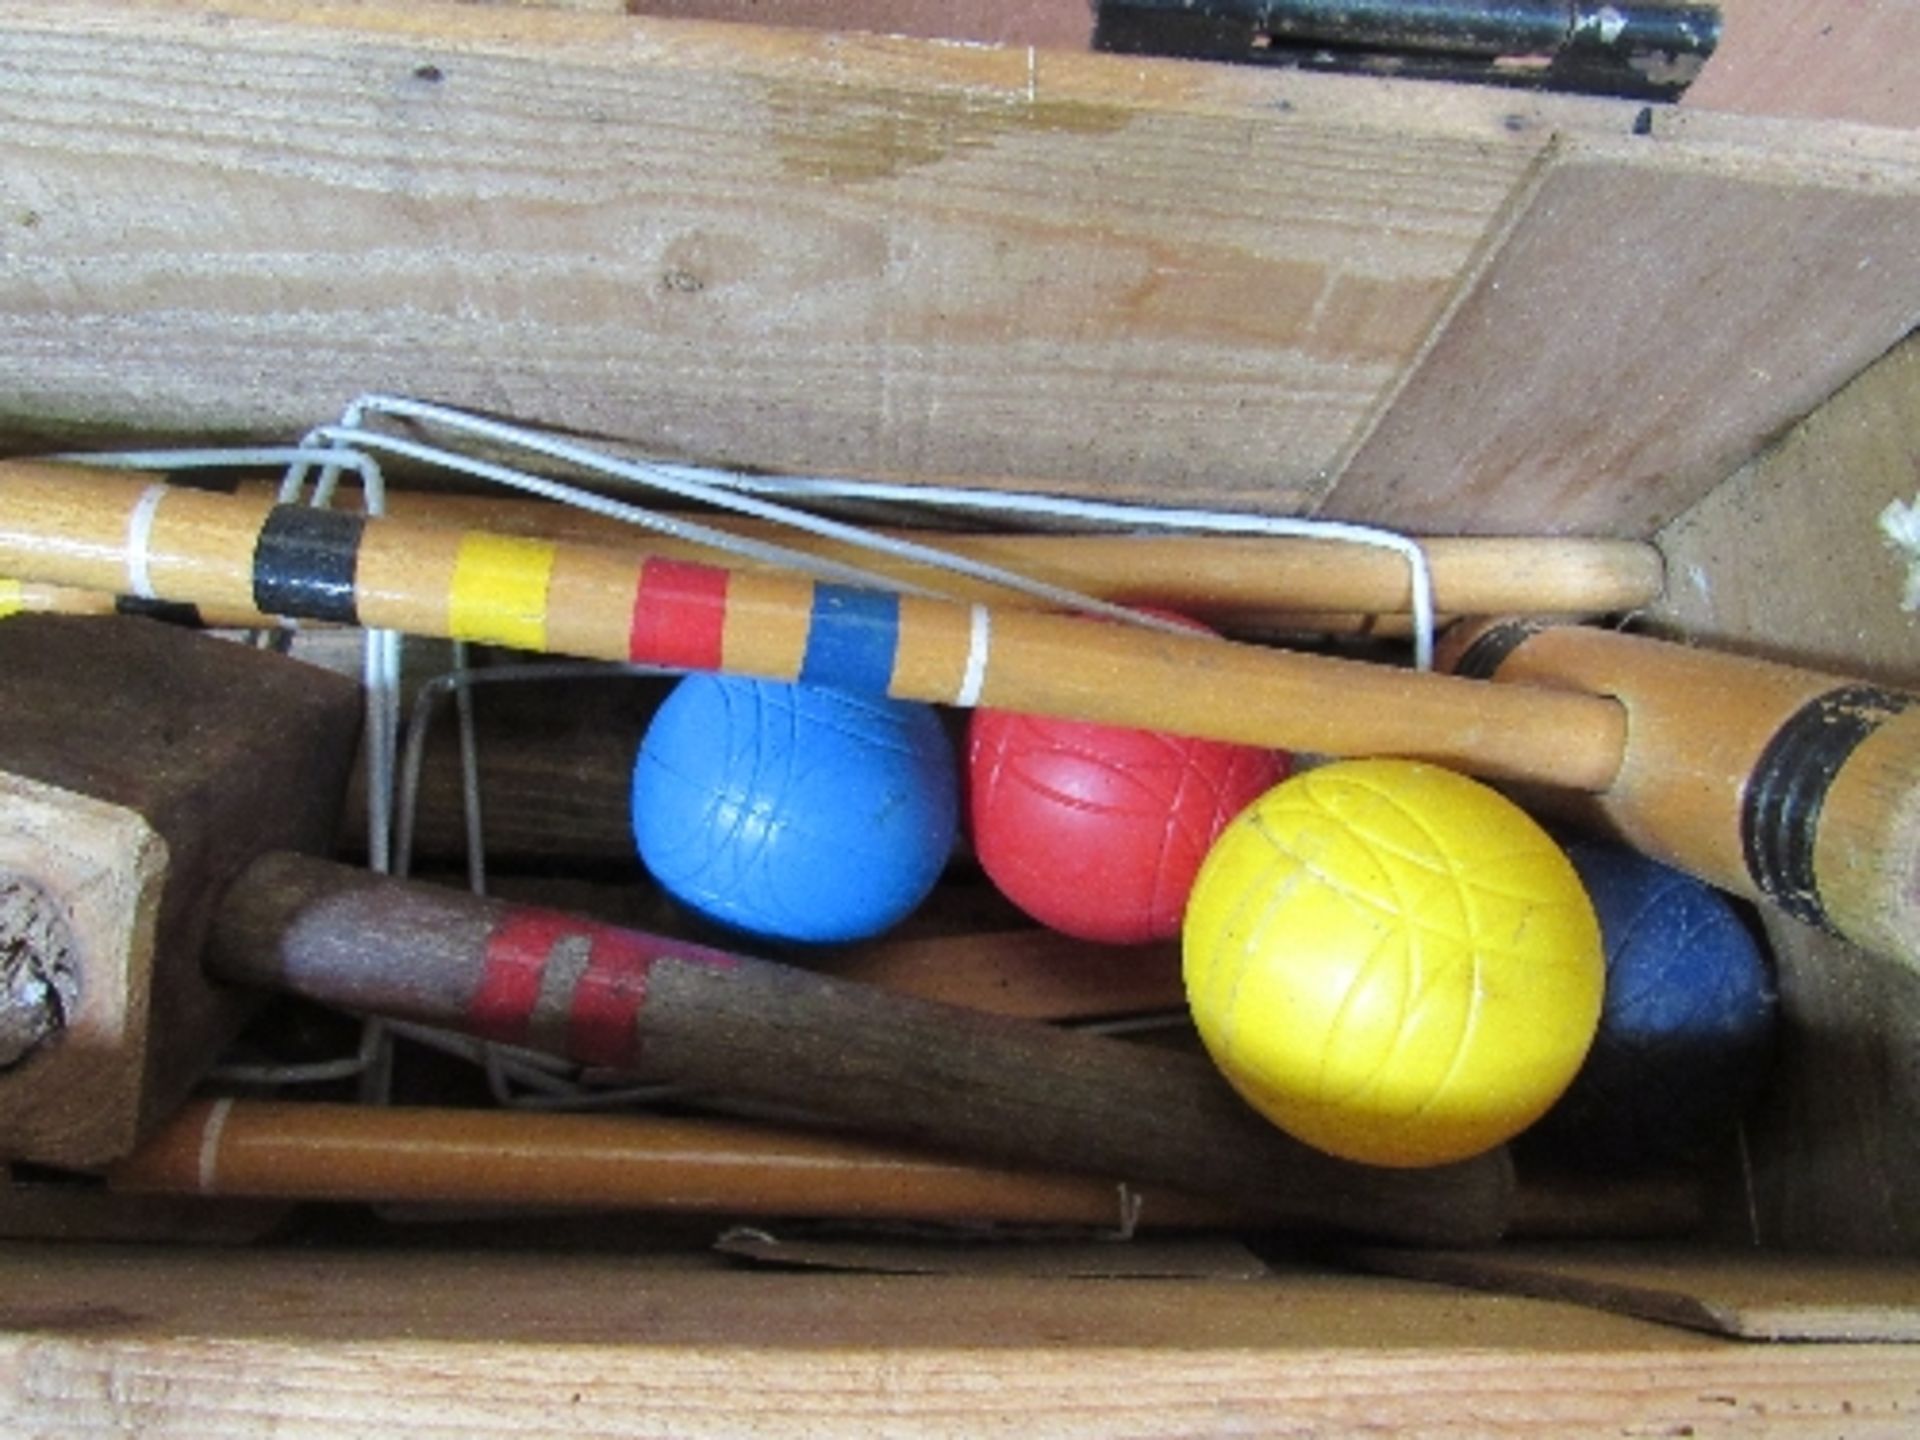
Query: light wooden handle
{"points": [[1785, 785], [1277, 584], [1213, 576], [1269, 585], [1008, 1090], [289, 1151], [112, 531], [316, 1151]]}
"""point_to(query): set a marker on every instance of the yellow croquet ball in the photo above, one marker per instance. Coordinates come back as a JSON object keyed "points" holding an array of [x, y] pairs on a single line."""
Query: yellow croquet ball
{"points": [[1392, 962]]}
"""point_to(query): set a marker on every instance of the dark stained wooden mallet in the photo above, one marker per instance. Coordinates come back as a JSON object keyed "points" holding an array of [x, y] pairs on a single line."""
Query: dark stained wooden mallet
{"points": [[723, 1024]]}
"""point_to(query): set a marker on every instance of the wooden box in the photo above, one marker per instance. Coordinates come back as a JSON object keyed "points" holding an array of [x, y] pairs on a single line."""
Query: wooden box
{"points": [[1454, 310]]}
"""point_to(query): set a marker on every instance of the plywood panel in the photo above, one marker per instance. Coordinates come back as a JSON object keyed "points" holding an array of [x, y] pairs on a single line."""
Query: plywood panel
{"points": [[1649, 322], [1828, 59], [772, 246], [1810, 506]]}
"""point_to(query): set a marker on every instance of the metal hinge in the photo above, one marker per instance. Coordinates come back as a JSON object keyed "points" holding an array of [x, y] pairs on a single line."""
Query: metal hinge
{"points": [[1638, 51]]}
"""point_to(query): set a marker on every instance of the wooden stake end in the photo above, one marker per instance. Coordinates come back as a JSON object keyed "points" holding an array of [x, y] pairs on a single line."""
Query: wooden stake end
{"points": [[39, 967], [80, 888], [140, 767]]}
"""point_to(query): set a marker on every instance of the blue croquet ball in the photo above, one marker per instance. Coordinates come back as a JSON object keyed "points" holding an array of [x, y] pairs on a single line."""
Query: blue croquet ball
{"points": [[793, 812], [1686, 1028]]}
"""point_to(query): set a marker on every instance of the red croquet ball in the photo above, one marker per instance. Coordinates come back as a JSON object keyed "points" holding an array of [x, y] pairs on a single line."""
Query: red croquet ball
{"points": [[1097, 831]]}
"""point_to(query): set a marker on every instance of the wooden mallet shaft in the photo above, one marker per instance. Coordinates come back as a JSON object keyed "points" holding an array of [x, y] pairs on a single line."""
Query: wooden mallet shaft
{"points": [[1212, 576], [118, 532], [264, 1149], [1011, 1091], [1267, 583], [549, 1160], [1785, 785]]}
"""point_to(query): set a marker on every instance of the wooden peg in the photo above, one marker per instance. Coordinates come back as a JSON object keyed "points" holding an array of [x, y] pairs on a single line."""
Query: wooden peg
{"points": [[140, 768]]}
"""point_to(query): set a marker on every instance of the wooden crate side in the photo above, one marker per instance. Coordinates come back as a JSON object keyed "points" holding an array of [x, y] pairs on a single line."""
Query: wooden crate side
{"points": [[1665, 305], [502, 1344], [763, 246], [1810, 507], [1836, 1148], [1821, 59]]}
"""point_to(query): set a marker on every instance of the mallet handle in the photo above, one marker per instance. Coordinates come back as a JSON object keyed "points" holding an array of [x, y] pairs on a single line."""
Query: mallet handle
{"points": [[266, 1149], [384, 1154], [1782, 784], [112, 531], [1008, 1090], [1207, 576]]}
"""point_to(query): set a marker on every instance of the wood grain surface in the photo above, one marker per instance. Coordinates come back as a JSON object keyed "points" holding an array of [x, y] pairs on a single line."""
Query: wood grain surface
{"points": [[775, 246], [1059, 24], [830, 251], [481, 1345], [1615, 360], [1822, 59], [166, 761], [1138, 278]]}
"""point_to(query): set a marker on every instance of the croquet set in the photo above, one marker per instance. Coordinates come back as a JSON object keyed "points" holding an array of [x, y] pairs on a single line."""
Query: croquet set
{"points": [[1388, 971], [719, 722]]}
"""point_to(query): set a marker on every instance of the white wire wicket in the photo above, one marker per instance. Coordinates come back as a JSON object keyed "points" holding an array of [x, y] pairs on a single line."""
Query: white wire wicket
{"points": [[741, 492]]}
